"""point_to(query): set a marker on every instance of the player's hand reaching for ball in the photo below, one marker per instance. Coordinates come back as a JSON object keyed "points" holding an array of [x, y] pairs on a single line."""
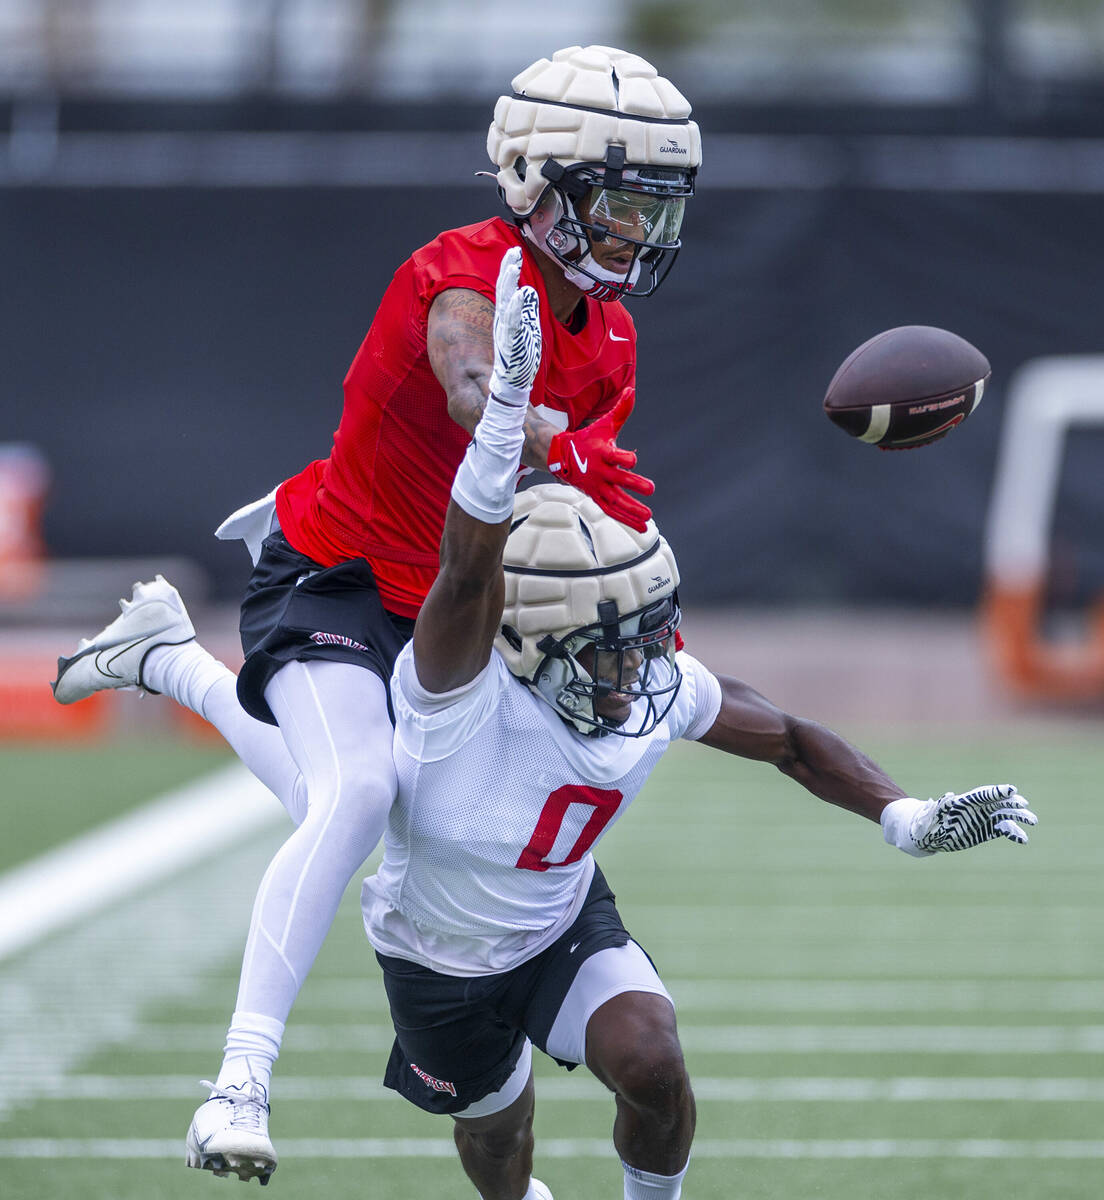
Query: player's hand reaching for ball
{"points": [[591, 460], [517, 333], [957, 822]]}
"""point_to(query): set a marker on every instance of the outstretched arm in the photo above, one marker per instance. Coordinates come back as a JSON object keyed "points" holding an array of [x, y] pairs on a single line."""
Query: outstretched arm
{"points": [[457, 624], [828, 766], [821, 761], [460, 345]]}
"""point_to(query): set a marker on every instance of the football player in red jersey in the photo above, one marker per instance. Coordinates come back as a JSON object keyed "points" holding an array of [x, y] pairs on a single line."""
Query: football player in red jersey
{"points": [[595, 155]]}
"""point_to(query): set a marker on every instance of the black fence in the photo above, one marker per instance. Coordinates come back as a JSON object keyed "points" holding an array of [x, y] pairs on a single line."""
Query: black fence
{"points": [[175, 351]]}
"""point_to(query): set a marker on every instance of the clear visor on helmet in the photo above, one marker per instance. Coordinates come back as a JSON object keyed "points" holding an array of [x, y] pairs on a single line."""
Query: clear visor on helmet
{"points": [[633, 216], [592, 225], [651, 630]]}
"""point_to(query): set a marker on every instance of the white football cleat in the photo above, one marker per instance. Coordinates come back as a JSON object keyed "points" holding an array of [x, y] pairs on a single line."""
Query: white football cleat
{"points": [[229, 1133], [154, 616], [540, 1189]]}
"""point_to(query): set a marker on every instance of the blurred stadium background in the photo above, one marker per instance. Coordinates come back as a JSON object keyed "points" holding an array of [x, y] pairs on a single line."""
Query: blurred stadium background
{"points": [[201, 202]]}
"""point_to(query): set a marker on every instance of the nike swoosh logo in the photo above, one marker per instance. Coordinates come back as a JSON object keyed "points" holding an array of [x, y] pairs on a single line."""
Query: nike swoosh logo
{"points": [[105, 655], [615, 338], [580, 462], [574, 947]]}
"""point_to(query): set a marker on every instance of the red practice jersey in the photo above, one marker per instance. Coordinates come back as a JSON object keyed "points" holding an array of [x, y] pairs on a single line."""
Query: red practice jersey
{"points": [[383, 491]]}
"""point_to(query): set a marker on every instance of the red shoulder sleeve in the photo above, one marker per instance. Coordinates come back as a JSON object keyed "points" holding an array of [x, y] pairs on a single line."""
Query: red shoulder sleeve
{"points": [[462, 258]]}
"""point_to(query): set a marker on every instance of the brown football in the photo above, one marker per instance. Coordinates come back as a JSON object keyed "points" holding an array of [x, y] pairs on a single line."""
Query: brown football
{"points": [[907, 387]]}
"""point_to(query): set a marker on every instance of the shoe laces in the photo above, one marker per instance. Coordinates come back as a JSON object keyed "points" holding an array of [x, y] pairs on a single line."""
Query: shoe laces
{"points": [[250, 1104]]}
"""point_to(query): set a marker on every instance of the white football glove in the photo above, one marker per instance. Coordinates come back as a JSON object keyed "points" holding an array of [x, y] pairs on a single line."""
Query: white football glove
{"points": [[517, 333], [957, 822]]}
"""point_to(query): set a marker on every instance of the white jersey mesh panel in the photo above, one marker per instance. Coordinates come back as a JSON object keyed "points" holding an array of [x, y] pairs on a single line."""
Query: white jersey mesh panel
{"points": [[487, 853]]}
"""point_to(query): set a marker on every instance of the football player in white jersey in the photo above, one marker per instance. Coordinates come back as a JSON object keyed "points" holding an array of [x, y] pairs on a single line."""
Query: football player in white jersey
{"points": [[542, 685]]}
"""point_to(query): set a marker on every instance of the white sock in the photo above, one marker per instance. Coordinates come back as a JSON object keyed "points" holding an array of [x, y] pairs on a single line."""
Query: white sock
{"points": [[252, 1046], [185, 673], [643, 1185]]}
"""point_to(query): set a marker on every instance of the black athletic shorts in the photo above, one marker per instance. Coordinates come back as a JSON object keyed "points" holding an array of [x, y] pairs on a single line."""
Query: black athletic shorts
{"points": [[295, 609], [458, 1038]]}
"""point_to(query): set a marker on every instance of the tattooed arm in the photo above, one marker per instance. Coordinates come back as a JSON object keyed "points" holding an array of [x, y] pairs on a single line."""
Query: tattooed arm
{"points": [[461, 353]]}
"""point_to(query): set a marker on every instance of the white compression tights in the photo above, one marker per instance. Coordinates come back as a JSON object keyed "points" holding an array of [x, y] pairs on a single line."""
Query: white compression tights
{"points": [[333, 717], [331, 767]]}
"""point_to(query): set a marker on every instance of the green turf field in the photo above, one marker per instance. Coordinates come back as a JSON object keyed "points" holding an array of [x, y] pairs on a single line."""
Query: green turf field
{"points": [[56, 793], [857, 1024]]}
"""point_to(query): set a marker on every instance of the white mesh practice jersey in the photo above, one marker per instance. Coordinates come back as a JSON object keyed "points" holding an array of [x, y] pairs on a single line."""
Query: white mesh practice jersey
{"points": [[487, 857]]}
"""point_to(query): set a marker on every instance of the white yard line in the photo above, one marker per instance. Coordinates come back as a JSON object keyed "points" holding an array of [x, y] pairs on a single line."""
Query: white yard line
{"points": [[813, 996], [889, 995], [571, 1089], [88, 986], [738, 1148], [104, 866], [305, 1038]]}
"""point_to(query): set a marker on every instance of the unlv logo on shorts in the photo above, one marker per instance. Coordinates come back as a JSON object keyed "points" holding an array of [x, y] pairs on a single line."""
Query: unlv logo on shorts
{"points": [[337, 639], [438, 1085]]}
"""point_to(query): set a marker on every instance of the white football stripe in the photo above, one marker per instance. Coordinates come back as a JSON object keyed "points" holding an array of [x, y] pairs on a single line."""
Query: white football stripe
{"points": [[979, 388], [879, 424]]}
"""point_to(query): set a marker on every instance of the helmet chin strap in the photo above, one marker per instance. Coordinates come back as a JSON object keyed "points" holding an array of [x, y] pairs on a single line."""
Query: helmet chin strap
{"points": [[592, 281], [589, 276]]}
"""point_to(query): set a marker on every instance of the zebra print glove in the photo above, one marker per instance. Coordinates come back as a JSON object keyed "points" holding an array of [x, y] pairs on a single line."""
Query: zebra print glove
{"points": [[957, 822], [517, 333]]}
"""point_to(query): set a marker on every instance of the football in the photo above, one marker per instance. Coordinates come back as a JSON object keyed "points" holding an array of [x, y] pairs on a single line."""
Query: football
{"points": [[907, 387]]}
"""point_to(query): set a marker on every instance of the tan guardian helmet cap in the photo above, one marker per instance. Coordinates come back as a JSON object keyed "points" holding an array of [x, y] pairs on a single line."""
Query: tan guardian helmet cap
{"points": [[592, 144], [576, 577]]}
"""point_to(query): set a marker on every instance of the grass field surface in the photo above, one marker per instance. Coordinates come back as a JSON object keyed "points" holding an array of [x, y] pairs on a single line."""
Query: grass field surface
{"points": [[56, 793], [856, 1023]]}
